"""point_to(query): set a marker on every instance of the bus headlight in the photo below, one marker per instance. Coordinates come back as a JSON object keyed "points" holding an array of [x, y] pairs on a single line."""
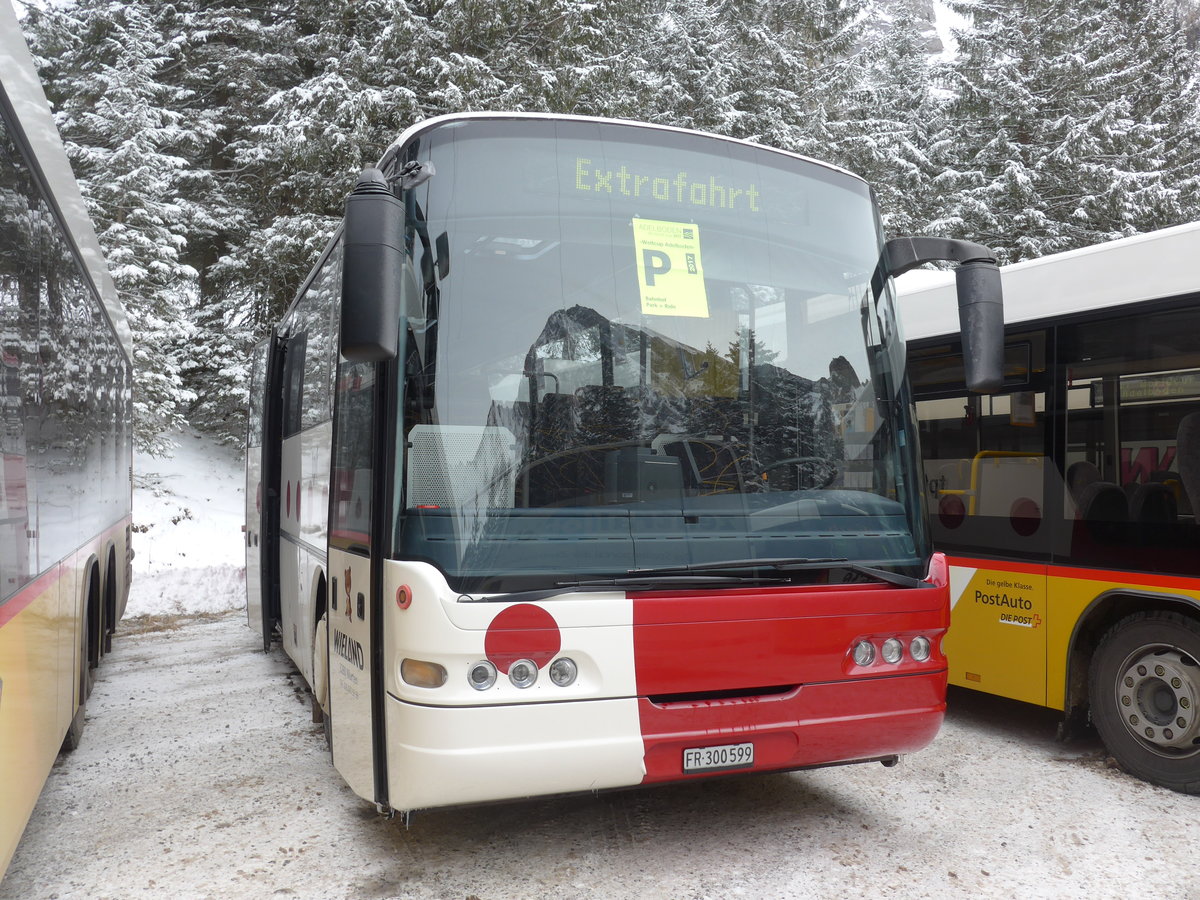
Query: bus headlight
{"points": [[893, 650], [864, 653], [482, 675], [523, 673], [919, 648], [563, 671], [419, 673]]}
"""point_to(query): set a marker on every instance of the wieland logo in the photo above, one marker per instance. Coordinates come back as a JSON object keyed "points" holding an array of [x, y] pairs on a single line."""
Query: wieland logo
{"points": [[348, 648]]}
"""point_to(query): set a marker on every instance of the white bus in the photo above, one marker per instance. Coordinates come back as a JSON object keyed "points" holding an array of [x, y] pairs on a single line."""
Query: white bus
{"points": [[1067, 500], [613, 481], [65, 444]]}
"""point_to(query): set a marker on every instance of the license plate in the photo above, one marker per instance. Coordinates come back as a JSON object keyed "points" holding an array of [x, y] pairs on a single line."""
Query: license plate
{"points": [[724, 756]]}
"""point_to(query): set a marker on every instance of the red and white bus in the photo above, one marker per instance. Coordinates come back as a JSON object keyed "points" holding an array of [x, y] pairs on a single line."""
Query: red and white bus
{"points": [[1066, 501], [65, 444], [614, 479]]}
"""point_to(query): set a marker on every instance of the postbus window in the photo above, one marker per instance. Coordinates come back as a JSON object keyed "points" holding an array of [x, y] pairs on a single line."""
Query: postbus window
{"points": [[985, 456], [21, 220], [1132, 387]]}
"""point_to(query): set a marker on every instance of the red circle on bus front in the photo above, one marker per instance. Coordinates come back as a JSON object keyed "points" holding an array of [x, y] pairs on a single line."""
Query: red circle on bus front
{"points": [[523, 631]]}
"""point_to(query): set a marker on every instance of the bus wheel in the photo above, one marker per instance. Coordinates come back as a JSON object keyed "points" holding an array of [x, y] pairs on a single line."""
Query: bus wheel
{"points": [[320, 690], [87, 678], [1144, 689]]}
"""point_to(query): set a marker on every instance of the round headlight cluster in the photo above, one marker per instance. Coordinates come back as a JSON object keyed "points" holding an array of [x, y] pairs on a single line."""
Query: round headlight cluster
{"points": [[891, 651], [523, 673]]}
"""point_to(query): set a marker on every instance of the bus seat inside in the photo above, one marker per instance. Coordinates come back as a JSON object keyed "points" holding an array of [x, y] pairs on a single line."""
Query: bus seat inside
{"points": [[1187, 456], [1152, 502], [1079, 476], [1103, 501]]}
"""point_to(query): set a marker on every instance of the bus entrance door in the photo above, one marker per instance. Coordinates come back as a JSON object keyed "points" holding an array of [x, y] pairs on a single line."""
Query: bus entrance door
{"points": [[349, 670], [262, 489], [352, 486], [254, 494]]}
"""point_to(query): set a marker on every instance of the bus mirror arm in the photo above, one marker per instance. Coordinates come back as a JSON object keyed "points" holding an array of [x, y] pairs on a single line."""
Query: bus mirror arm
{"points": [[372, 270], [980, 299]]}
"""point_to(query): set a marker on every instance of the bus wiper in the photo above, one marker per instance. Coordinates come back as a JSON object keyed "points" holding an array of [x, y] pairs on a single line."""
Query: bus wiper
{"points": [[638, 579], [788, 564], [650, 583]]}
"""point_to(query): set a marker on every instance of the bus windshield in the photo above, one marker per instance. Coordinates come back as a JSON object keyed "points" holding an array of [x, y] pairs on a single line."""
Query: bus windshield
{"points": [[627, 347]]}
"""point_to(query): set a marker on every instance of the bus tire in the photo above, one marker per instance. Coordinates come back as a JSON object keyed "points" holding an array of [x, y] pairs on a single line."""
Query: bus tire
{"points": [[320, 687], [1144, 692], [74, 735], [87, 678]]}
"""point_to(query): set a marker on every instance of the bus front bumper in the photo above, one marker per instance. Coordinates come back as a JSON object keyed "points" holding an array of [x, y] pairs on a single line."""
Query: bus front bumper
{"points": [[445, 756]]}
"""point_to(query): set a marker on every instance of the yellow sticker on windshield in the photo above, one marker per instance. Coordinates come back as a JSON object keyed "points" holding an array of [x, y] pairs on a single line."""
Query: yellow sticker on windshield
{"points": [[670, 274]]}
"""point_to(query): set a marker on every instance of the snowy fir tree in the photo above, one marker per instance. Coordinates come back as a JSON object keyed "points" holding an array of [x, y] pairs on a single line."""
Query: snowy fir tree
{"points": [[1071, 123], [890, 120], [227, 60], [216, 142], [103, 65]]}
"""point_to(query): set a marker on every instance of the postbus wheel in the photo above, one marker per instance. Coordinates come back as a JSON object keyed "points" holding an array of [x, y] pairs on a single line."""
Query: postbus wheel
{"points": [[87, 678], [1144, 690]]}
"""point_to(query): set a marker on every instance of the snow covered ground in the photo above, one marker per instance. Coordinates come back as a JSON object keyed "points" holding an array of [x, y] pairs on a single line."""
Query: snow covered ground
{"points": [[188, 545], [201, 775]]}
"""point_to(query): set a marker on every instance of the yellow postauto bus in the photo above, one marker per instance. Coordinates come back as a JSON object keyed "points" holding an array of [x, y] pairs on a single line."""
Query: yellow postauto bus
{"points": [[65, 444], [1067, 502]]}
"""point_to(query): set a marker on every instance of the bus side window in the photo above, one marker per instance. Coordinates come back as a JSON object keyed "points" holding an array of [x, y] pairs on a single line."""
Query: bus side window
{"points": [[985, 456], [353, 469], [1132, 385], [985, 465], [293, 384], [1187, 459], [316, 315]]}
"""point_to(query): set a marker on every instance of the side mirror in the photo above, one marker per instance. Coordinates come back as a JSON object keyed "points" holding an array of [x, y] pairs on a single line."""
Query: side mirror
{"points": [[980, 299], [372, 270], [981, 318]]}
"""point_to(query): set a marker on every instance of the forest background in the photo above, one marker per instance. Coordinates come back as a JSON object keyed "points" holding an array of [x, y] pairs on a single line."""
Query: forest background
{"points": [[215, 142]]}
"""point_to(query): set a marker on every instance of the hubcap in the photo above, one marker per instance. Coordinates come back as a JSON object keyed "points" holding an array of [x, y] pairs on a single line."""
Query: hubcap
{"points": [[1156, 696]]}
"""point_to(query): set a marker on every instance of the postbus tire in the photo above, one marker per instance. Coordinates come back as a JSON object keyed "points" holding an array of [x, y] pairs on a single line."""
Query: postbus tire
{"points": [[1144, 692], [74, 734], [87, 678]]}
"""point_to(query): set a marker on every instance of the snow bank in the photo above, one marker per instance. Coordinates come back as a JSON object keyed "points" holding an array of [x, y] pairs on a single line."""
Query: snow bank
{"points": [[188, 513]]}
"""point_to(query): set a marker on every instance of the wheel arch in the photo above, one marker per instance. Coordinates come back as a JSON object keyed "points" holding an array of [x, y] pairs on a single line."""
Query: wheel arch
{"points": [[1105, 611]]}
